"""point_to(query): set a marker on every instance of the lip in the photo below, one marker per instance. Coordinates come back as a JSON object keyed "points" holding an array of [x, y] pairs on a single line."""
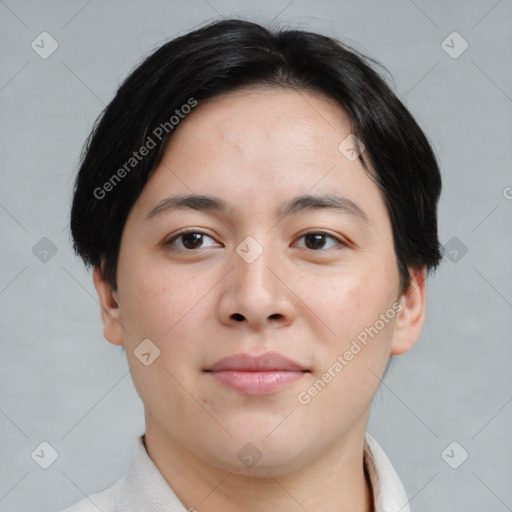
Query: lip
{"points": [[256, 375], [256, 363]]}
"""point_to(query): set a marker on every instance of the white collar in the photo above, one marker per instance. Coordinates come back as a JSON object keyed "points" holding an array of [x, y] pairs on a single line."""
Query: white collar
{"points": [[388, 492]]}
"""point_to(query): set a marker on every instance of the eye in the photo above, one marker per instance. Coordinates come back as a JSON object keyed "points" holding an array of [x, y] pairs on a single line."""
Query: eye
{"points": [[315, 240], [194, 239], [190, 240]]}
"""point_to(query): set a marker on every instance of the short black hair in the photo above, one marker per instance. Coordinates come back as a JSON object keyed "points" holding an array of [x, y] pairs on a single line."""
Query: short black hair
{"points": [[223, 56]]}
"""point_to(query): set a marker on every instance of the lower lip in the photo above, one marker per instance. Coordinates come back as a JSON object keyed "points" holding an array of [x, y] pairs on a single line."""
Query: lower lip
{"points": [[257, 383]]}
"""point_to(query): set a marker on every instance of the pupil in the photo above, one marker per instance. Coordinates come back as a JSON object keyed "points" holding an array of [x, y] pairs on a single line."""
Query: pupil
{"points": [[190, 237], [317, 237]]}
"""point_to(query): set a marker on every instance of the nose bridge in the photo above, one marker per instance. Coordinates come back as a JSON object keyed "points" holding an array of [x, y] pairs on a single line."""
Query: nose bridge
{"points": [[254, 293], [251, 265]]}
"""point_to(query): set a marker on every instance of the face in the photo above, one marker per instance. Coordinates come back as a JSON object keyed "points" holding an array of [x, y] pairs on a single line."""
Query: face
{"points": [[257, 278]]}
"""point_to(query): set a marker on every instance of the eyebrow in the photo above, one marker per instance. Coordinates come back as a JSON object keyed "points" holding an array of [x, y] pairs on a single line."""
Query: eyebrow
{"points": [[297, 205]]}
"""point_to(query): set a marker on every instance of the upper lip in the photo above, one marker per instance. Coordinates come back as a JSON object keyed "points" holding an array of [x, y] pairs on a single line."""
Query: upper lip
{"points": [[269, 361]]}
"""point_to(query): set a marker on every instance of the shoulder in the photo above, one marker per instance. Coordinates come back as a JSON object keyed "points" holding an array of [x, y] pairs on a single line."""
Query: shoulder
{"points": [[120, 494]]}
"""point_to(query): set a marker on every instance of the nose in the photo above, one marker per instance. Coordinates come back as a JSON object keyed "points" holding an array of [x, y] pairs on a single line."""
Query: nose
{"points": [[257, 293]]}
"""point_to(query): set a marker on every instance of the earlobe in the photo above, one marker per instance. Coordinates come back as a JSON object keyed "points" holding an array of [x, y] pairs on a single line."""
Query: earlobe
{"points": [[410, 319], [110, 312]]}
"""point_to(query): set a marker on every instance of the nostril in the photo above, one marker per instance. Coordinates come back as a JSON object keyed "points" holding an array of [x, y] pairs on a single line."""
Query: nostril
{"points": [[238, 317]]}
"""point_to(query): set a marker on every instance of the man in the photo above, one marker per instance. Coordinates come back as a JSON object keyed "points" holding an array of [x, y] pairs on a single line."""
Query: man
{"points": [[260, 212]]}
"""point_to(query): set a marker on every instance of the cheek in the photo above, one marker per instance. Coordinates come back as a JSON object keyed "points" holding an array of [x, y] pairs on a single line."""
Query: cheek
{"points": [[167, 310], [155, 302], [171, 310], [353, 361], [349, 302]]}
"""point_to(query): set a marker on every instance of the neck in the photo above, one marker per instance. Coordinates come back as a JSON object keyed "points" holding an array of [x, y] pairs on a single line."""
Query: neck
{"points": [[335, 482]]}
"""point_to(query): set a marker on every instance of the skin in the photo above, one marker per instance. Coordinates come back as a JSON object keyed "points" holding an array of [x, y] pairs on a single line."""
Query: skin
{"points": [[257, 148]]}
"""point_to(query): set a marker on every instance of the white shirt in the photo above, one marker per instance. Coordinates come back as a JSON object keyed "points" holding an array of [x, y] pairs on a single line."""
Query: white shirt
{"points": [[144, 489]]}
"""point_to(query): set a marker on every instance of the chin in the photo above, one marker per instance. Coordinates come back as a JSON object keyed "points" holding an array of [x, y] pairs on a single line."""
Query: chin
{"points": [[269, 465], [254, 454]]}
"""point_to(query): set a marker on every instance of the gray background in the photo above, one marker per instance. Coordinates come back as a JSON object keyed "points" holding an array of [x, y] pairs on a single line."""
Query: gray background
{"points": [[61, 382]]}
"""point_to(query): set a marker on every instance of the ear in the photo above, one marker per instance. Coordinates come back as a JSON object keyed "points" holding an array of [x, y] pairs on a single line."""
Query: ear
{"points": [[411, 316], [112, 329]]}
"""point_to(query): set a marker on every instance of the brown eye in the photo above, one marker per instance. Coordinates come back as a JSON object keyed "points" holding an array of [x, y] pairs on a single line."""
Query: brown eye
{"points": [[316, 240], [190, 240]]}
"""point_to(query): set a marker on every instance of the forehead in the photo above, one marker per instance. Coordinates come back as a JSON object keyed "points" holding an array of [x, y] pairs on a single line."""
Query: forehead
{"points": [[259, 146], [247, 117]]}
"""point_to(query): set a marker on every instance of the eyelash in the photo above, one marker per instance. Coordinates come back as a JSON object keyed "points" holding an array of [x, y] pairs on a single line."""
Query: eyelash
{"points": [[170, 242]]}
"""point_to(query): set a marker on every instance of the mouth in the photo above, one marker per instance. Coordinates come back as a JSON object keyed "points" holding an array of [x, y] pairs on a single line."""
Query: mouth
{"points": [[256, 375]]}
